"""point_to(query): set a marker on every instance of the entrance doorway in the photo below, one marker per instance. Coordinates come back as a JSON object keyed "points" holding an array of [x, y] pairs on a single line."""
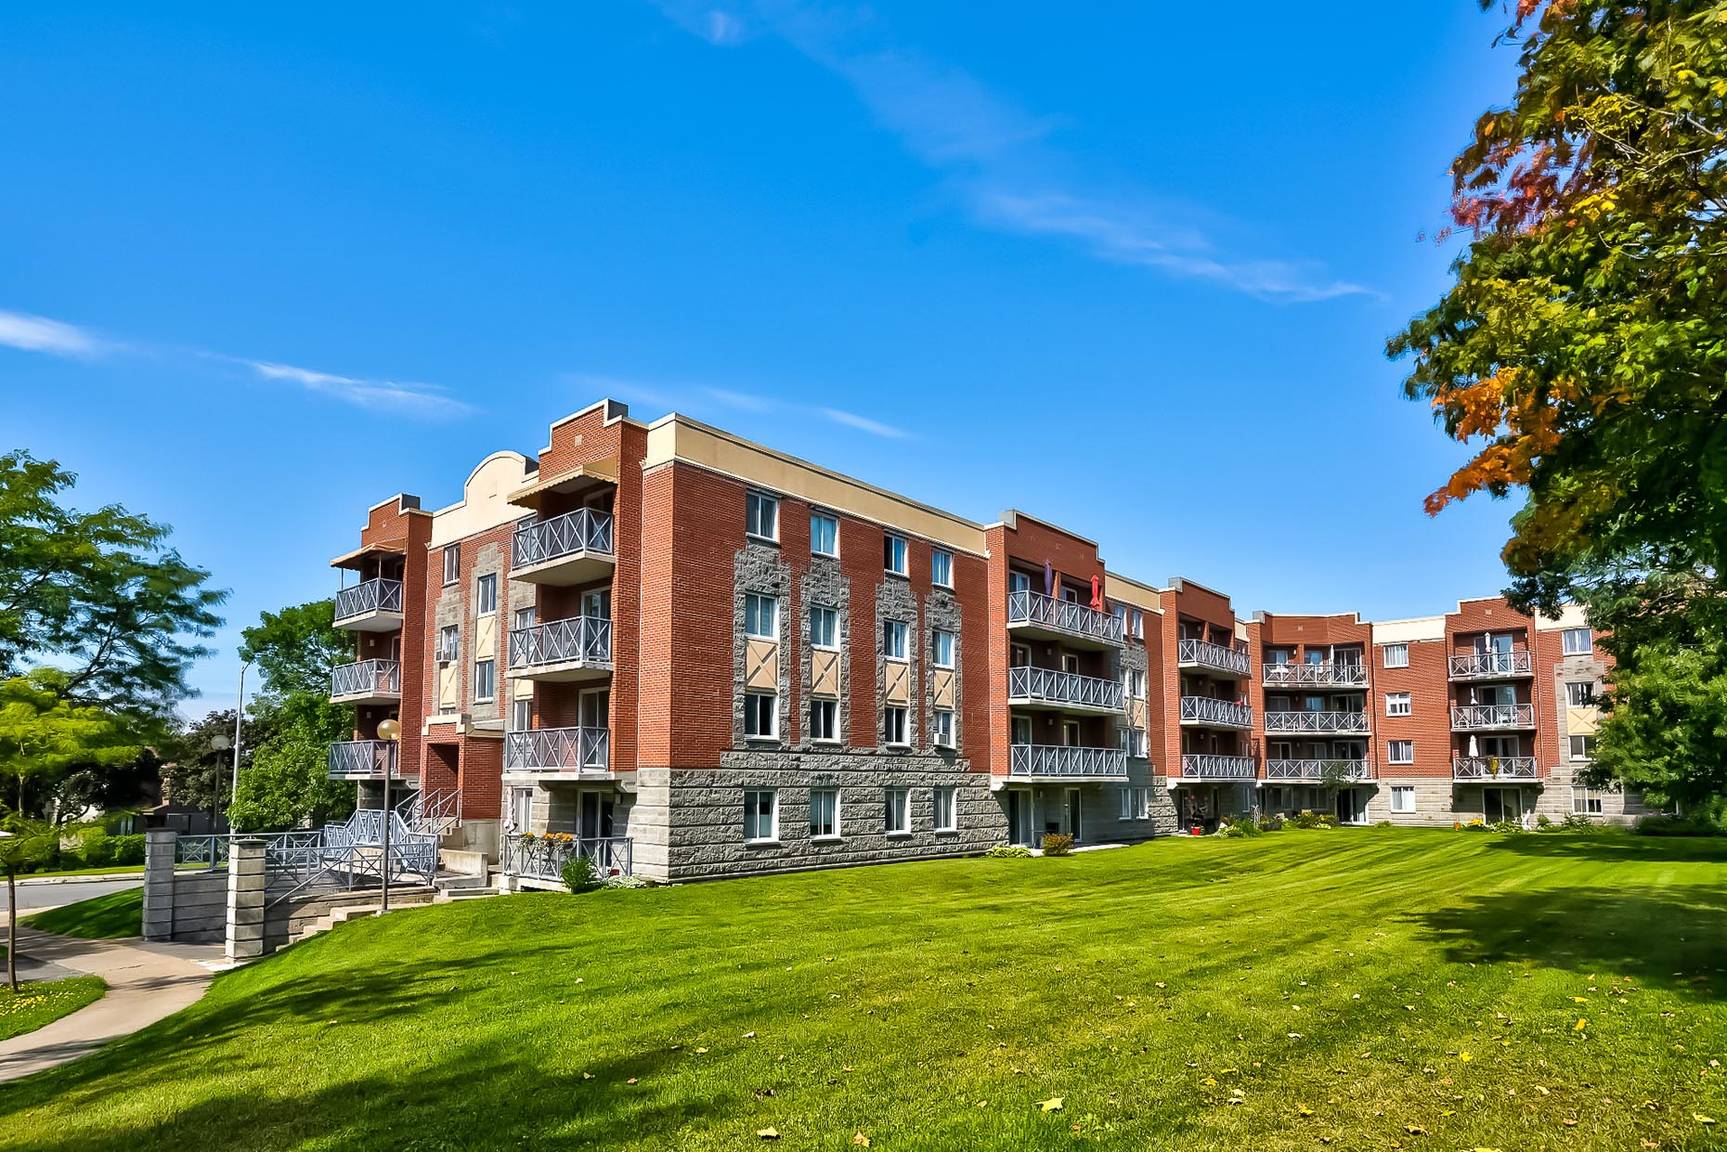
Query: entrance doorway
{"points": [[596, 821], [1073, 814], [1352, 805], [1019, 817], [1498, 804]]}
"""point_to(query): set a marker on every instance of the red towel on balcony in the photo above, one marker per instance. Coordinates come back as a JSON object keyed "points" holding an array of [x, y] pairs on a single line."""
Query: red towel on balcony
{"points": [[1096, 594]]}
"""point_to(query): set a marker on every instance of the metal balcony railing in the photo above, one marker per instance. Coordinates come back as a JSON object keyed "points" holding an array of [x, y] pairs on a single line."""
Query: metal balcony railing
{"points": [[1486, 665], [1494, 768], [1047, 686], [1059, 760], [584, 638], [1317, 770], [558, 749], [1027, 607], [584, 530], [1207, 710], [363, 758], [368, 596], [1299, 721], [1217, 657], [1210, 766], [1315, 675], [1479, 717], [544, 857], [367, 678]]}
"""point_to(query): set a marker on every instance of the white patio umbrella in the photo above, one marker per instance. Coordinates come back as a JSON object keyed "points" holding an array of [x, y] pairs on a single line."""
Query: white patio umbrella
{"points": [[1474, 748]]}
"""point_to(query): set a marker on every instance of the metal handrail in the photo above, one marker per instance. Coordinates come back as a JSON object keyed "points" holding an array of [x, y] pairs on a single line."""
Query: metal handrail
{"points": [[1212, 766], [1489, 716], [544, 857], [1513, 663], [1028, 607], [1300, 721], [1215, 656], [1208, 709], [584, 530], [363, 758], [558, 749], [377, 595], [1494, 768], [1051, 686], [585, 638], [367, 678], [1066, 760], [210, 850], [1328, 674], [1349, 769]]}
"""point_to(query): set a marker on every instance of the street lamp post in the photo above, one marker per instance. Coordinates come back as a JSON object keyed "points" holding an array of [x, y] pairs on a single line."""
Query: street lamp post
{"points": [[390, 730], [239, 711]]}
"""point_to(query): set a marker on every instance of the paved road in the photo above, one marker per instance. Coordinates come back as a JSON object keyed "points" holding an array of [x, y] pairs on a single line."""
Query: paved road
{"points": [[36, 894]]}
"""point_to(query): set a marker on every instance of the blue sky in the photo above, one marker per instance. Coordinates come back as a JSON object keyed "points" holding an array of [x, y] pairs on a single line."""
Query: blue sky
{"points": [[1131, 270]]}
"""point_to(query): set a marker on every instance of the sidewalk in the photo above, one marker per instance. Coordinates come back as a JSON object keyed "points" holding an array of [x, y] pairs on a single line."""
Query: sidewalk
{"points": [[146, 981], [83, 878]]}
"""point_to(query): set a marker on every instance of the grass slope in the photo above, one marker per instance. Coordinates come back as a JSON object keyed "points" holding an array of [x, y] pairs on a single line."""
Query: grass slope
{"points": [[1414, 989], [36, 1004], [100, 918]]}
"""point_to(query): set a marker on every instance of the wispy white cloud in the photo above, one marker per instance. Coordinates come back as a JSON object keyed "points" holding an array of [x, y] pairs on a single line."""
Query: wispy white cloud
{"points": [[864, 424], [378, 395], [745, 400], [29, 333], [695, 399]]}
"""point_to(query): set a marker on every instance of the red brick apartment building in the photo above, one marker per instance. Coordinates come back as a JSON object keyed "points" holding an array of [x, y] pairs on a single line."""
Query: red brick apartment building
{"points": [[692, 656]]}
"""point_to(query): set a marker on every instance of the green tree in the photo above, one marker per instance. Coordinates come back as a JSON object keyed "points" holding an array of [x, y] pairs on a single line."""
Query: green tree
{"points": [[43, 733], [288, 784]]}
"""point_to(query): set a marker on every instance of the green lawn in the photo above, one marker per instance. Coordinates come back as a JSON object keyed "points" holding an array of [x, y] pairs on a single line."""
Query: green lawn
{"points": [[36, 1004], [100, 918], [1361, 988]]}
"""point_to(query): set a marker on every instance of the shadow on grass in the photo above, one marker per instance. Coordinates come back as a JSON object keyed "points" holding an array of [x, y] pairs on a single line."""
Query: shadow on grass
{"points": [[1673, 938], [1615, 847]]}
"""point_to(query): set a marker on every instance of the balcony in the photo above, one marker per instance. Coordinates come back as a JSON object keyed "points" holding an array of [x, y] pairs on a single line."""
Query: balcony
{"points": [[1353, 723], [1315, 675], [579, 648], [1206, 712], [1063, 762], [363, 760], [366, 682], [562, 750], [1067, 691], [1076, 625], [1490, 769], [1208, 766], [370, 606], [1318, 771], [1492, 717], [574, 548], [1214, 658], [1492, 665]]}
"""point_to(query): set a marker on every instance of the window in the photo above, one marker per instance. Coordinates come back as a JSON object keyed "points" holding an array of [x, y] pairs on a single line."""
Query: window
{"points": [[486, 594], [761, 715], [824, 720], [761, 815], [1134, 683], [893, 554], [521, 809], [485, 679], [1132, 741], [762, 516], [897, 814], [824, 813], [1018, 656], [942, 721], [1397, 704], [1577, 641], [449, 644], [1580, 694], [1020, 729], [893, 725], [944, 810], [941, 568], [761, 616], [1397, 655], [941, 649], [1585, 802], [452, 563], [824, 627], [1135, 803], [1582, 747], [893, 639], [824, 535], [1402, 798], [1400, 752], [525, 617], [522, 714], [1138, 624]]}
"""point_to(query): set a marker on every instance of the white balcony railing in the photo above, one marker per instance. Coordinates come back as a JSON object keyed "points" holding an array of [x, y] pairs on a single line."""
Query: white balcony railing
{"points": [[579, 638], [1027, 607], [1047, 686], [1488, 717], [1209, 766], [368, 596], [1494, 768], [1207, 710], [1317, 770], [558, 750], [363, 758], [366, 678], [1326, 675], [1487, 665], [1298, 721], [584, 530], [1060, 760], [1216, 657]]}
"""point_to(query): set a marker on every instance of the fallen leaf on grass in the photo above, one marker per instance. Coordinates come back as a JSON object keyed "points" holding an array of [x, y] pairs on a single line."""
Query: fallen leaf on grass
{"points": [[700, 1051], [861, 1140], [1702, 1119], [631, 1080], [1580, 1025], [768, 1133], [1053, 1104], [749, 1035], [1303, 1110]]}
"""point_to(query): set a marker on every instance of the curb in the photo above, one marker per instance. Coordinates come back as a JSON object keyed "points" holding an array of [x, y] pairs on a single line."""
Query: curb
{"points": [[102, 878]]}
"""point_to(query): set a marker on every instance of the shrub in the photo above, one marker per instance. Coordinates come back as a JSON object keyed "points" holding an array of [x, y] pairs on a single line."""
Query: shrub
{"points": [[1328, 819], [129, 849], [1272, 823], [623, 881], [1239, 826], [1661, 825], [1575, 823], [1385, 824], [1008, 852], [579, 875], [1058, 844], [1543, 822]]}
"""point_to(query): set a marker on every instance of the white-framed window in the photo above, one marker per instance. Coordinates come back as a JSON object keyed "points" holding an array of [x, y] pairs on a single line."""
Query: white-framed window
{"points": [[522, 714], [1396, 655], [824, 626], [1577, 641], [824, 720], [1400, 752], [1133, 683], [1132, 741], [761, 715], [1397, 704], [1582, 747], [485, 680], [1138, 624], [1585, 801], [896, 815], [824, 535], [1402, 798], [1580, 693], [524, 618], [761, 815], [452, 563], [893, 639], [941, 649], [946, 819], [761, 616], [486, 594], [449, 644], [521, 809], [824, 813], [893, 554], [1135, 803], [893, 725], [762, 516], [941, 720], [941, 568]]}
